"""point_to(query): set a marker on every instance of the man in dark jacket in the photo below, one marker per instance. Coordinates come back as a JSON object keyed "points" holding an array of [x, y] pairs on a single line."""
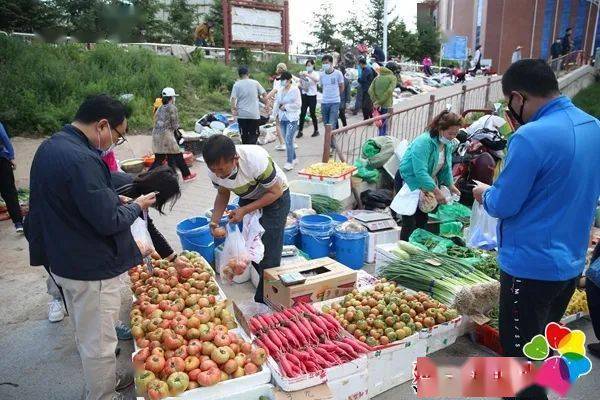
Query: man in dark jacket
{"points": [[80, 228], [366, 77], [567, 41]]}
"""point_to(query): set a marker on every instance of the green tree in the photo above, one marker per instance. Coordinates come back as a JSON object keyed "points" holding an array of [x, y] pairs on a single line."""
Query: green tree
{"points": [[28, 15], [401, 42], [429, 39], [147, 27], [84, 19], [182, 19], [324, 29], [352, 29], [374, 22]]}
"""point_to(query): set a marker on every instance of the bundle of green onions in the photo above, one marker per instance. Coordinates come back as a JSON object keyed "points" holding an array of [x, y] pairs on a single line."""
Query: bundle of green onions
{"points": [[324, 204], [445, 278]]}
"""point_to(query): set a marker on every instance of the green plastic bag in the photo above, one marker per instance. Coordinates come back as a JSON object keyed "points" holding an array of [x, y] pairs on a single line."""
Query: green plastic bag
{"points": [[434, 243], [365, 172], [370, 149], [453, 228], [454, 212]]}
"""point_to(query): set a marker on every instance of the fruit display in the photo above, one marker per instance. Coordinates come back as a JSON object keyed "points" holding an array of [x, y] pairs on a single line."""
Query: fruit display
{"points": [[189, 275], [578, 303], [184, 333], [331, 169], [302, 340], [387, 313]]}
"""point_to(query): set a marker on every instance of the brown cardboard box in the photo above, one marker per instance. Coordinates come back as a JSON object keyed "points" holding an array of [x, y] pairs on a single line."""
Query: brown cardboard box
{"points": [[325, 279]]}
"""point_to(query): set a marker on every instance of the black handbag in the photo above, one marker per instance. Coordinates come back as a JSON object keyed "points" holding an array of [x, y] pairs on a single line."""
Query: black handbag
{"points": [[178, 135]]}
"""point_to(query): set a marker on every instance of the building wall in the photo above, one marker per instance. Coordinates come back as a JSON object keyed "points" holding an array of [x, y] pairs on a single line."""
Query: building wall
{"points": [[464, 17]]}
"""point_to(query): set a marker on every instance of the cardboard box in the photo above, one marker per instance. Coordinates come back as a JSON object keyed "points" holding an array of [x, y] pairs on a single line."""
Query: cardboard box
{"points": [[325, 279]]}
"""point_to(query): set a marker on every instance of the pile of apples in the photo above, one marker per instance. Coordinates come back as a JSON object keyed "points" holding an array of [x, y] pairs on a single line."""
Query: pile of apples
{"points": [[184, 337]]}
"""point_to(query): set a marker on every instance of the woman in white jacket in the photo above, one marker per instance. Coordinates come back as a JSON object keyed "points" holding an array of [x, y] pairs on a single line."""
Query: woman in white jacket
{"points": [[287, 108]]}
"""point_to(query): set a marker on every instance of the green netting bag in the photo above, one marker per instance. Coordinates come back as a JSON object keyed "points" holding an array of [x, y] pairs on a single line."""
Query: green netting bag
{"points": [[434, 243], [453, 228]]}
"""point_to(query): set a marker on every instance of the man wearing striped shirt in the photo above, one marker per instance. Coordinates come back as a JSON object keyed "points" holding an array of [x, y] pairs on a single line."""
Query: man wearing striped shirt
{"points": [[249, 172]]}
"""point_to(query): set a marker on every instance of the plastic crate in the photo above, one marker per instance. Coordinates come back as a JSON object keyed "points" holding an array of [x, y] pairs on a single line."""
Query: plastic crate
{"points": [[299, 201], [330, 179], [339, 191], [488, 337]]}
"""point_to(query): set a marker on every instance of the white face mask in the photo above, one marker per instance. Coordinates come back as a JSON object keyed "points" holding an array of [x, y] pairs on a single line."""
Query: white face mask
{"points": [[445, 140], [326, 67], [310, 68], [112, 144]]}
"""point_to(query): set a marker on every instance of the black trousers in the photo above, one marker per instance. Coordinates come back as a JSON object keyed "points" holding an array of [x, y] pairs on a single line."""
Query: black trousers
{"points": [[174, 161], [343, 117], [526, 307], [249, 130], [309, 103], [367, 106], [412, 222], [273, 221], [8, 191], [593, 300]]}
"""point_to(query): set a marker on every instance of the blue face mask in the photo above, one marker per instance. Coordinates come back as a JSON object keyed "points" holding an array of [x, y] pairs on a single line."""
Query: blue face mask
{"points": [[310, 68], [326, 67]]}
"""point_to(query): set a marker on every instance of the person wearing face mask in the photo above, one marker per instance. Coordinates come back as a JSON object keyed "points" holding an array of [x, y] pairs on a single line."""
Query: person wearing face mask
{"points": [[308, 89], [332, 82], [287, 108], [164, 144], [79, 228], [544, 200], [250, 173], [277, 86], [366, 78], [427, 165]]}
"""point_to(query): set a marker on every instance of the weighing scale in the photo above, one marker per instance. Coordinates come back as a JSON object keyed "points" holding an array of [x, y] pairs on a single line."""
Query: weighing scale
{"points": [[375, 221]]}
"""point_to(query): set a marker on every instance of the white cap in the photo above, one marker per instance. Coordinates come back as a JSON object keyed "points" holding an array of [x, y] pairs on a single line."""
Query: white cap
{"points": [[169, 92]]}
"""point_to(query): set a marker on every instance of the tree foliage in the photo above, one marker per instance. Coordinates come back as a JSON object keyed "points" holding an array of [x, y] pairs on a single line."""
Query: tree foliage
{"points": [[182, 18], [324, 28], [429, 38], [215, 14]]}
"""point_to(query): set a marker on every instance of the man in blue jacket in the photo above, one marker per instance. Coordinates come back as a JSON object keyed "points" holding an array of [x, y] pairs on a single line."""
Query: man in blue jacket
{"points": [[544, 200], [8, 190], [79, 228]]}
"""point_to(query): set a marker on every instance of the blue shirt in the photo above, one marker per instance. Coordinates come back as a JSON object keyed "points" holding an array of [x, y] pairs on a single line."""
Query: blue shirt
{"points": [[76, 224], [546, 195], [6, 148]]}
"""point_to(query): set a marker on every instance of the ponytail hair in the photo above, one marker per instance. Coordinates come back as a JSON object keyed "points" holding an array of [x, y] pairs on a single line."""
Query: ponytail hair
{"points": [[443, 121]]}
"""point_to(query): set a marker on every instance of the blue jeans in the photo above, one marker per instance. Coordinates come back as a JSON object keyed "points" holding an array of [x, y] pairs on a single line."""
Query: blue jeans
{"points": [[289, 129], [330, 113], [383, 128]]}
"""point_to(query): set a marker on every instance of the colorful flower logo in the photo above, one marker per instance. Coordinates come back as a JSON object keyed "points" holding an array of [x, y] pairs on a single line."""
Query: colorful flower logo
{"points": [[559, 372]]}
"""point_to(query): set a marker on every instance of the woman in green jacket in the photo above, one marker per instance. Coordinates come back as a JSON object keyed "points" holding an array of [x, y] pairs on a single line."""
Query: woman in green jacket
{"points": [[382, 92], [427, 165]]}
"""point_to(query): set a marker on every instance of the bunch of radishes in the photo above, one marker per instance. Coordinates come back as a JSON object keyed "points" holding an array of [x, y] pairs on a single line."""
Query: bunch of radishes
{"points": [[302, 340]]}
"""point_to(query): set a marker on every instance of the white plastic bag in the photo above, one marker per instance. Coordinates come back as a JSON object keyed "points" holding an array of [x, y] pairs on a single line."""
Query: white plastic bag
{"points": [[482, 230], [252, 234], [139, 231], [406, 201], [234, 258]]}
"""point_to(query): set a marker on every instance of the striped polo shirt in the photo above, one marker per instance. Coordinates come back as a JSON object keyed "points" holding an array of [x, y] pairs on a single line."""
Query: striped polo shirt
{"points": [[257, 172]]}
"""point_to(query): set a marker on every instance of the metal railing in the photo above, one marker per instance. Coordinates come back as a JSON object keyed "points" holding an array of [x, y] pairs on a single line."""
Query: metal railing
{"points": [[409, 122], [568, 62]]}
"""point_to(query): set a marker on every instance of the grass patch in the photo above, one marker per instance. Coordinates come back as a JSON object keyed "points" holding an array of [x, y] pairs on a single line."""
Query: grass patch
{"points": [[43, 84], [589, 100]]}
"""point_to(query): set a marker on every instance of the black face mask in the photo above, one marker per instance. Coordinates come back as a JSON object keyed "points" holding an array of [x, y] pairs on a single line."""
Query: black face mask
{"points": [[518, 117]]}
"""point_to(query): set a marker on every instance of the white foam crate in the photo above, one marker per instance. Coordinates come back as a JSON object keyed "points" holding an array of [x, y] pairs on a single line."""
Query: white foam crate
{"points": [[353, 387], [393, 365], [383, 256], [316, 378], [339, 190], [299, 201], [222, 389], [378, 238], [443, 335], [573, 317]]}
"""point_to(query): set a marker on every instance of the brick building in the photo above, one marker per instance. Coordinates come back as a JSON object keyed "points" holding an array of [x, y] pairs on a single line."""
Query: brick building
{"points": [[499, 26]]}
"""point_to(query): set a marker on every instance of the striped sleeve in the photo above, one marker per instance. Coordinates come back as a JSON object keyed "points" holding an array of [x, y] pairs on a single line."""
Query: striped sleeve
{"points": [[268, 176]]}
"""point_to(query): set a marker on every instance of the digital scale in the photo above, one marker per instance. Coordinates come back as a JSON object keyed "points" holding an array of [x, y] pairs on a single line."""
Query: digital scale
{"points": [[375, 221]]}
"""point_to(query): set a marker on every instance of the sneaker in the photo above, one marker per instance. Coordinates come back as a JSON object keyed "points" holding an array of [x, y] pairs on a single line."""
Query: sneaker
{"points": [[124, 381], [594, 349], [118, 396], [123, 331], [295, 145], [299, 135], [190, 177], [295, 162], [280, 147], [288, 166], [56, 313], [315, 134], [19, 227]]}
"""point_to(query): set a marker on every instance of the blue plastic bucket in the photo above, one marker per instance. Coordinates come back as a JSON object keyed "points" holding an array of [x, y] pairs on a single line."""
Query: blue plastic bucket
{"points": [[337, 219], [350, 248], [194, 235], [315, 233], [290, 235]]}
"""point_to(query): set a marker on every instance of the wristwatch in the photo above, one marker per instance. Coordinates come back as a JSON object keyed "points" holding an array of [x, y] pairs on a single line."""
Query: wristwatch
{"points": [[213, 225]]}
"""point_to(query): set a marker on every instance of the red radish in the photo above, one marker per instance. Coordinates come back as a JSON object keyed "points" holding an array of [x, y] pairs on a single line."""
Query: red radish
{"points": [[290, 336]]}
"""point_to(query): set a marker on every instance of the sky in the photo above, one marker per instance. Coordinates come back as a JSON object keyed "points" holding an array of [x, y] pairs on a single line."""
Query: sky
{"points": [[301, 12]]}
